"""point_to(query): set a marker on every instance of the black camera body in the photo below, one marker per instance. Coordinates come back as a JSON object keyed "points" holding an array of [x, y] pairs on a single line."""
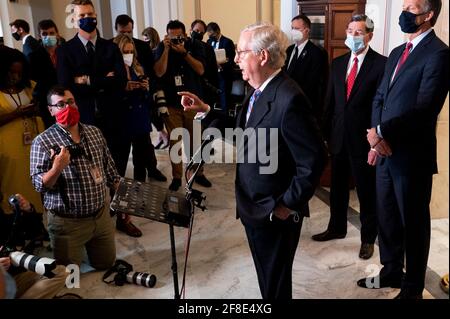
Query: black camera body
{"points": [[75, 150], [124, 274], [178, 40]]}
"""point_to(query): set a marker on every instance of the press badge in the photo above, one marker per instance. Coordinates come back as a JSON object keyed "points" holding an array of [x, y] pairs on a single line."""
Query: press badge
{"points": [[178, 81], [96, 174], [27, 138]]}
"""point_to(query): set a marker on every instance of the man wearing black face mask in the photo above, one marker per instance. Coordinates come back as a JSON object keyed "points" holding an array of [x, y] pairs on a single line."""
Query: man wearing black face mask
{"points": [[93, 69], [403, 139], [225, 67], [198, 29]]}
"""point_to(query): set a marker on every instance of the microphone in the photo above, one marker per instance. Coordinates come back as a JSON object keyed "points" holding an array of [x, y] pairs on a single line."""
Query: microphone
{"points": [[197, 157]]}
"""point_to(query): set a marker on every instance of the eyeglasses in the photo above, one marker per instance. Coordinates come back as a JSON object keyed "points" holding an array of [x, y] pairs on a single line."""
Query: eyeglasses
{"points": [[62, 104], [357, 32], [239, 53]]}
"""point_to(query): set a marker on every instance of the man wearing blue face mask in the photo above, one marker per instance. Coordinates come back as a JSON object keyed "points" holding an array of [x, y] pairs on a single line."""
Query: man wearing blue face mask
{"points": [[354, 79], [50, 40], [403, 136]]}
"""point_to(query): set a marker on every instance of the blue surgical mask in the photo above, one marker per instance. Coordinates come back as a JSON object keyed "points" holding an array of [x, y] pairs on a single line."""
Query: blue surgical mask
{"points": [[407, 21], [50, 41], [88, 24], [355, 43]]}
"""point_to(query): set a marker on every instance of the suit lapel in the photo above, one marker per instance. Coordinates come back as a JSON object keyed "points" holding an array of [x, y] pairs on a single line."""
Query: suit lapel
{"points": [[415, 54], [262, 104], [240, 120], [342, 76], [362, 74]]}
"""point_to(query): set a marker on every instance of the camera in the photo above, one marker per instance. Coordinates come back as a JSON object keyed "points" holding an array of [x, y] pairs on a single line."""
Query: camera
{"points": [[178, 40], [124, 274], [75, 150]]}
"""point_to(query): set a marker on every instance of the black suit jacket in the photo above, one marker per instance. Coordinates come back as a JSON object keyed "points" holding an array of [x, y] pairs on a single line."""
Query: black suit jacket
{"points": [[228, 45], [145, 57], [346, 122], [407, 109], [300, 154], [311, 74], [101, 96]]}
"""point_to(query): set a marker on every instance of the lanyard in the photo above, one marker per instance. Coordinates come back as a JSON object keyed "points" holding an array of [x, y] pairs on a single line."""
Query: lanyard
{"points": [[19, 104]]}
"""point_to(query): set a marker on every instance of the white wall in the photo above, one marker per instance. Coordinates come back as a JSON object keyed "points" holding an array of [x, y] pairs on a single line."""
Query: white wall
{"points": [[289, 9]]}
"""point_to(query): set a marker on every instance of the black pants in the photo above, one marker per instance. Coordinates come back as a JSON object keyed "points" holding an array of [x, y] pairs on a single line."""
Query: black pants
{"points": [[343, 165], [273, 248], [404, 224], [142, 155]]}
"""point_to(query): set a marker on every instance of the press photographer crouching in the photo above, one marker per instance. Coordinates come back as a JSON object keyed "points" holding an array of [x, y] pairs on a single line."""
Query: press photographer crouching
{"points": [[29, 284], [72, 167]]}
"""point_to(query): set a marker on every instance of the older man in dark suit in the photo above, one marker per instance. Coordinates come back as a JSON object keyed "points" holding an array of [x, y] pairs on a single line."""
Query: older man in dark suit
{"points": [[269, 203], [354, 80], [403, 139]]}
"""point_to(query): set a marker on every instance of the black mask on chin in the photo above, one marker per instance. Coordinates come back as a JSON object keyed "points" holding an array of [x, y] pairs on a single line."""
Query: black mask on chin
{"points": [[16, 36]]}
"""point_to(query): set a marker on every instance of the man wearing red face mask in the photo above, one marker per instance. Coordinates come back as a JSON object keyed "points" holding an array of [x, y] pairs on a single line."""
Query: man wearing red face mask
{"points": [[71, 166]]}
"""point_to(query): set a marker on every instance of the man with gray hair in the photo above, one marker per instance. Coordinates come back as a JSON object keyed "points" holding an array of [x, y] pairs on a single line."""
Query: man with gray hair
{"points": [[269, 205], [354, 79]]}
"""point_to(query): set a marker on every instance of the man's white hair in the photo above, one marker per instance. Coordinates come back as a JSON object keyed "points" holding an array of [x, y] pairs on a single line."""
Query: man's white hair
{"points": [[266, 36]]}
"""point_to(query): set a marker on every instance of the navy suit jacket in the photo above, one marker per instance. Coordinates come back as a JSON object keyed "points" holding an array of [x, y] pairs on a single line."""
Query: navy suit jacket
{"points": [[346, 122], [228, 45], [407, 109], [300, 153], [311, 73], [100, 98]]}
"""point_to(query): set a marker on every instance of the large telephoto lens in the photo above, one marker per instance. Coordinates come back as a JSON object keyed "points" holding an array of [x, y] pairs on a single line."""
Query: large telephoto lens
{"points": [[141, 279]]}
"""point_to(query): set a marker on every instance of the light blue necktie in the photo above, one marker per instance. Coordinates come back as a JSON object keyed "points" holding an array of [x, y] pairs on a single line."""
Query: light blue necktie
{"points": [[252, 101]]}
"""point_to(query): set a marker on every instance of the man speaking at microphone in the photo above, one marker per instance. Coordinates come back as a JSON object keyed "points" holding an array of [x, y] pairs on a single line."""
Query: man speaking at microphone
{"points": [[269, 204]]}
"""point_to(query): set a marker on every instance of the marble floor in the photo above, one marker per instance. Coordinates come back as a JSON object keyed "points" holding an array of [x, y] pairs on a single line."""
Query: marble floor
{"points": [[220, 265]]}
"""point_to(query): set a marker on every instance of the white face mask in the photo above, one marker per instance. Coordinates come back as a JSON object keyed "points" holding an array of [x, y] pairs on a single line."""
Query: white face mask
{"points": [[295, 36], [128, 59]]}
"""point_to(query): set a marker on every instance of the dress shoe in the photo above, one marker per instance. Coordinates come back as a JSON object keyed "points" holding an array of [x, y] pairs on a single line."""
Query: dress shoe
{"points": [[128, 228], [327, 235], [203, 181], [406, 295], [366, 251], [157, 175], [175, 185], [377, 283]]}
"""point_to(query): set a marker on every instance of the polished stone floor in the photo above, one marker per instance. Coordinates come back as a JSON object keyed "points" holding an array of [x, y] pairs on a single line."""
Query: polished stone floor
{"points": [[220, 265]]}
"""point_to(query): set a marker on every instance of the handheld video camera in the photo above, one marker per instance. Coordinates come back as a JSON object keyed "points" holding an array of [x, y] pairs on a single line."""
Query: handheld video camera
{"points": [[124, 274]]}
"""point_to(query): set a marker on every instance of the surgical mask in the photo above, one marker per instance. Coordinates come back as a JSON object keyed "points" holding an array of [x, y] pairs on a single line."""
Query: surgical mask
{"points": [[355, 43], [213, 37], [197, 35], [68, 117], [50, 41], [407, 21], [128, 59], [88, 24], [295, 36], [16, 36]]}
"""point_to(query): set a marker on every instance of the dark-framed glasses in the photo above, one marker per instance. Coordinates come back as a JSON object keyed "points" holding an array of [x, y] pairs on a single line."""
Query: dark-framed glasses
{"points": [[239, 53], [62, 104]]}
